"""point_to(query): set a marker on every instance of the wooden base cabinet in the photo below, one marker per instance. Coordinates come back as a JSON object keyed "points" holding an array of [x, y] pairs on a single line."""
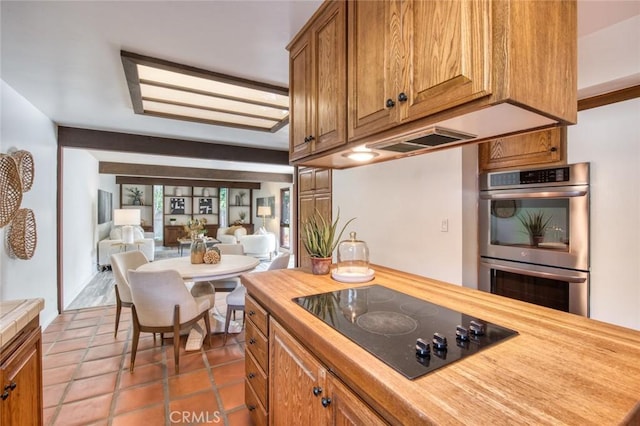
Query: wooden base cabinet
{"points": [[303, 391], [256, 361], [21, 379]]}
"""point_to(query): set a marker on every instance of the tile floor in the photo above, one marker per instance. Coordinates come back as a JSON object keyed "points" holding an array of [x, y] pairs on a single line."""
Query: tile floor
{"points": [[87, 380]]}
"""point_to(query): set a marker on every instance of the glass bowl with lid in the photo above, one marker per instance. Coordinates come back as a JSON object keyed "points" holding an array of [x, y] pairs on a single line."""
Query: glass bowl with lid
{"points": [[353, 261]]}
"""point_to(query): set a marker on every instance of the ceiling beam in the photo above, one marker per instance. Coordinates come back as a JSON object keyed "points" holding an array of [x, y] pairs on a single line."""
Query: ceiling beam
{"points": [[149, 170], [73, 137], [186, 182]]}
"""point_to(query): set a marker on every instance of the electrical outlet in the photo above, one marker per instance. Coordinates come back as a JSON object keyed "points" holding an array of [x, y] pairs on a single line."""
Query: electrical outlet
{"points": [[444, 225]]}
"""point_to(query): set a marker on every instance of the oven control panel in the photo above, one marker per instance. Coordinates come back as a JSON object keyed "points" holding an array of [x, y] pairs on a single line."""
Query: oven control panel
{"points": [[560, 174]]}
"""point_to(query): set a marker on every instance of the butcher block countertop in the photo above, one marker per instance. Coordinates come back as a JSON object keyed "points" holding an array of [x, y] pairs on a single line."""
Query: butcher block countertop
{"points": [[560, 369]]}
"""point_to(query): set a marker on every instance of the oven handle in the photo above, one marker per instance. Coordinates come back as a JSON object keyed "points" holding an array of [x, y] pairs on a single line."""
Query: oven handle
{"points": [[558, 277], [537, 194]]}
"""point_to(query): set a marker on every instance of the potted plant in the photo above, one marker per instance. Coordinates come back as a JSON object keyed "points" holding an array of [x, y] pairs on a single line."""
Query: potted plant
{"points": [[136, 196], [535, 225], [320, 239]]}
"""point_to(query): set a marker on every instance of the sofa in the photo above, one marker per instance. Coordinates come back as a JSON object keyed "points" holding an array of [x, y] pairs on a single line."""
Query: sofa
{"points": [[259, 244], [230, 234], [143, 241]]}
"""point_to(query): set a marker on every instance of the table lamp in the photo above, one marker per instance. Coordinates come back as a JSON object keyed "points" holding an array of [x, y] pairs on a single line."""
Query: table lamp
{"points": [[126, 218], [264, 211]]}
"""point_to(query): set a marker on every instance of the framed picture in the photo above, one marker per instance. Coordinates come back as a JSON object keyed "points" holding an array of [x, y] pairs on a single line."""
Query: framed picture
{"points": [[267, 201], [105, 207], [176, 205], [205, 206]]}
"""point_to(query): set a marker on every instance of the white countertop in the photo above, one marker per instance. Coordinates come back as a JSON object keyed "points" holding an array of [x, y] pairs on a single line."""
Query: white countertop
{"points": [[15, 315]]}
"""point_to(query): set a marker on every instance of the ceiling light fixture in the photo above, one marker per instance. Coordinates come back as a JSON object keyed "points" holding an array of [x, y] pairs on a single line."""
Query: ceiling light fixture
{"points": [[360, 154], [169, 90]]}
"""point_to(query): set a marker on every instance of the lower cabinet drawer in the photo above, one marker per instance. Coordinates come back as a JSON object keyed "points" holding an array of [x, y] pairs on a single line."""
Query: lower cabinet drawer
{"points": [[256, 411], [256, 378], [258, 345]]}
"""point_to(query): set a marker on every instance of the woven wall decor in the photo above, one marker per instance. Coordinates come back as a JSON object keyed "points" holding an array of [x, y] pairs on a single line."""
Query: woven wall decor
{"points": [[23, 236], [10, 189], [26, 167]]}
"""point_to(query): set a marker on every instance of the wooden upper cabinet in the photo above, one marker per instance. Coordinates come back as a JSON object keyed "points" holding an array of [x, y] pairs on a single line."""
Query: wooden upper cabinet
{"points": [[371, 79], [300, 98], [547, 147], [446, 46], [410, 59], [318, 82]]}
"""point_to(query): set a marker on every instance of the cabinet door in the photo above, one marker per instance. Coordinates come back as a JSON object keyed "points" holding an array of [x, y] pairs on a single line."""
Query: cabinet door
{"points": [[23, 372], [445, 65], [300, 91], [546, 147], [347, 408], [330, 66], [294, 375], [307, 205], [374, 39]]}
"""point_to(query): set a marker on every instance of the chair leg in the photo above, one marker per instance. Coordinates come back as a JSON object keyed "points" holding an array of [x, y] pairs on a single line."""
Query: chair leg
{"points": [[136, 337], [176, 337], [226, 325], [118, 310], [207, 323]]}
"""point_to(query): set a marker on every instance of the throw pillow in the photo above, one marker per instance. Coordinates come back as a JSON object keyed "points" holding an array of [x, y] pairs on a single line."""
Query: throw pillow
{"points": [[232, 229], [116, 234]]}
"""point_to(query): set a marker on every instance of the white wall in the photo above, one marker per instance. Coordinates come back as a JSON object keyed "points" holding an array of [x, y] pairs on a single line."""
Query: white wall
{"points": [[609, 138], [79, 217], [400, 206], [22, 126]]}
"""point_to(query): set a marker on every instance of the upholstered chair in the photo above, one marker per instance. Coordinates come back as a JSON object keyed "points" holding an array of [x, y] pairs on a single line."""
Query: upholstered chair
{"points": [[228, 284], [235, 299], [120, 264], [162, 304]]}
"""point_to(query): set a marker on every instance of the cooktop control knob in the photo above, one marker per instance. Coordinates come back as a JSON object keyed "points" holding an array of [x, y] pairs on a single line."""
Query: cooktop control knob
{"points": [[439, 342], [422, 348], [476, 328], [462, 333]]}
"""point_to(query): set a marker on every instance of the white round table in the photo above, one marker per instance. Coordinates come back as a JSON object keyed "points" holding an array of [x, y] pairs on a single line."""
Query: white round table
{"points": [[231, 265]]}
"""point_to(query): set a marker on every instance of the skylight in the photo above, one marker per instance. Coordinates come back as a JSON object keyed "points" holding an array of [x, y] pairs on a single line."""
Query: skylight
{"points": [[169, 90]]}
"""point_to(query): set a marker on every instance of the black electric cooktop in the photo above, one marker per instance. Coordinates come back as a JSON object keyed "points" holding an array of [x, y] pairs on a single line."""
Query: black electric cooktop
{"points": [[388, 324]]}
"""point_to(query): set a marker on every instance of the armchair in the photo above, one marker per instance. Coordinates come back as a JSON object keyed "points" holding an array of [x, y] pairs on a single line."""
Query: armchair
{"points": [[121, 263], [143, 241], [162, 304], [231, 234], [259, 245]]}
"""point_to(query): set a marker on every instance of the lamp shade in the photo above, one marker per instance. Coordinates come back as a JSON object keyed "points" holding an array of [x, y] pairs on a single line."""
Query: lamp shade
{"points": [[126, 217], [264, 211]]}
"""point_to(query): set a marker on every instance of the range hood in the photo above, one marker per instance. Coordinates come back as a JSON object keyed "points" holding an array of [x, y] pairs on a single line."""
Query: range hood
{"points": [[430, 137]]}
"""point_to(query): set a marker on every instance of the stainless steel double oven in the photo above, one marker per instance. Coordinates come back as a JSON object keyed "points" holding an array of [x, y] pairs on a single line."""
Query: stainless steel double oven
{"points": [[534, 236]]}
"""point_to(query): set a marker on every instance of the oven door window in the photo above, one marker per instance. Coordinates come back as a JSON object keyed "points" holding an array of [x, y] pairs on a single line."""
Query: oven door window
{"points": [[540, 291], [531, 222]]}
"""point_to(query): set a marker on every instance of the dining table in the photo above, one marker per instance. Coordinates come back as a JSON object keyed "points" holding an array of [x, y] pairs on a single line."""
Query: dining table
{"points": [[230, 265]]}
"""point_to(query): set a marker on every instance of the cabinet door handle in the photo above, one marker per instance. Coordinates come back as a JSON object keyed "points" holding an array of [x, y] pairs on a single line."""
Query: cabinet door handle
{"points": [[402, 97], [326, 402], [252, 341], [251, 375], [311, 138], [553, 149], [317, 390], [252, 313], [10, 386], [251, 407], [306, 138], [390, 103]]}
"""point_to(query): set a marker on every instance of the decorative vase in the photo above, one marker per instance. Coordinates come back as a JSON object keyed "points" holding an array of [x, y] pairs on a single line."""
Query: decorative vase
{"points": [[536, 239], [198, 248], [320, 265]]}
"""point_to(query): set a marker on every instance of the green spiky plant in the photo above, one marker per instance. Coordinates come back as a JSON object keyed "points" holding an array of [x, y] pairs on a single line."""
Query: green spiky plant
{"points": [[534, 223], [320, 235]]}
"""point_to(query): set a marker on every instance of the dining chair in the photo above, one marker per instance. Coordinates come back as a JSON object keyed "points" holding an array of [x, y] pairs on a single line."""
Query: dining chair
{"points": [[162, 304], [228, 284], [120, 264], [235, 299]]}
